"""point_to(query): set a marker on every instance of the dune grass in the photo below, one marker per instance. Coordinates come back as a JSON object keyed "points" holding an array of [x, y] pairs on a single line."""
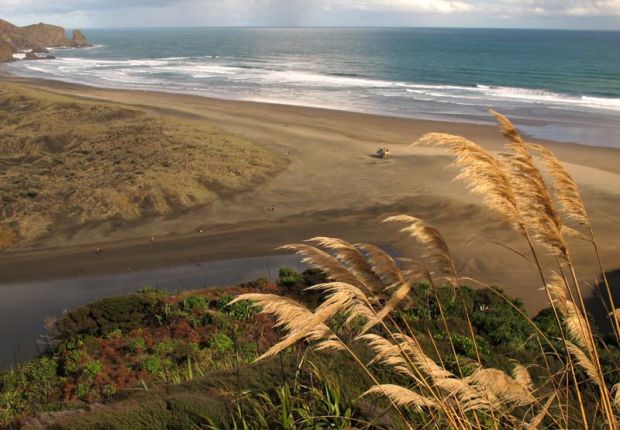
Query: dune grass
{"points": [[66, 162]]}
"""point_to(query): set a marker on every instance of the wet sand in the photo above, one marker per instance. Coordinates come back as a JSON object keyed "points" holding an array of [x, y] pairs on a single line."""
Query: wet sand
{"points": [[333, 186]]}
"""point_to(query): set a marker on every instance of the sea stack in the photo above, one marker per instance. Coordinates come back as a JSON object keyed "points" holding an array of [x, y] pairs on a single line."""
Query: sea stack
{"points": [[79, 40]]}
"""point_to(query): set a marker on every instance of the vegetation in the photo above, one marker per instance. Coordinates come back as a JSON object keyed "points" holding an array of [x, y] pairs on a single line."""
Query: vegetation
{"points": [[362, 340], [67, 161], [125, 351]]}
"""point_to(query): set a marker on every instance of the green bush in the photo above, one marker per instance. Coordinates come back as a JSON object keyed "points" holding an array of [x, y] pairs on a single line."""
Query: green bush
{"points": [[195, 302], [288, 278], [294, 285], [221, 343], [99, 319], [499, 322], [164, 348], [92, 370], [29, 388], [137, 345], [83, 390], [153, 365]]}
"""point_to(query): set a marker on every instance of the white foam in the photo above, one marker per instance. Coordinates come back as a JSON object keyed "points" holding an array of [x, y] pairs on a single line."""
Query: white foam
{"points": [[550, 97], [273, 75]]}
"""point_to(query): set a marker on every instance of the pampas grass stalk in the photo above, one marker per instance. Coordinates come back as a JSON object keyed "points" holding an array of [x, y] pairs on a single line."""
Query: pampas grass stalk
{"points": [[536, 205], [568, 195], [303, 324], [353, 259], [439, 253], [486, 175]]}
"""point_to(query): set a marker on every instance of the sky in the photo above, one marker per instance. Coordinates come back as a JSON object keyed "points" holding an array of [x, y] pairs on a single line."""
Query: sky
{"points": [[572, 14]]}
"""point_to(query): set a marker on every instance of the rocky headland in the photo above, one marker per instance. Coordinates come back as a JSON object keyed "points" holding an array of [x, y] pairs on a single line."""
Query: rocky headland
{"points": [[6, 52], [35, 39]]}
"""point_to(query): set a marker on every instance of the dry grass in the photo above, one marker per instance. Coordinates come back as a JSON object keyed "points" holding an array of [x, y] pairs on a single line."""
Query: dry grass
{"points": [[8, 237], [364, 276], [68, 162]]}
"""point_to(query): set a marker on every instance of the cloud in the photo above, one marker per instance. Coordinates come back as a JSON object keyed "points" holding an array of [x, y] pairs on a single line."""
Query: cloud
{"points": [[574, 13], [596, 8], [54, 7], [433, 6], [600, 8], [511, 7]]}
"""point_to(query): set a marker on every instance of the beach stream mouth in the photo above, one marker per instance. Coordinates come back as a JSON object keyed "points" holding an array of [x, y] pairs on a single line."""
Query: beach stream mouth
{"points": [[24, 307]]}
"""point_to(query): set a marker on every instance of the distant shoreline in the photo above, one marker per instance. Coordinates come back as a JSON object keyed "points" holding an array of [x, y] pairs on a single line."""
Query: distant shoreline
{"points": [[461, 118], [467, 121], [412, 73]]}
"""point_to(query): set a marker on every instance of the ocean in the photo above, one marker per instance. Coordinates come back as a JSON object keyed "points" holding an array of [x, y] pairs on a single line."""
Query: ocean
{"points": [[558, 85]]}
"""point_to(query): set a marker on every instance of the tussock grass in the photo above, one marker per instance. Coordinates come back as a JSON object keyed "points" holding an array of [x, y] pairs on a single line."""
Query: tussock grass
{"points": [[66, 162], [367, 287]]}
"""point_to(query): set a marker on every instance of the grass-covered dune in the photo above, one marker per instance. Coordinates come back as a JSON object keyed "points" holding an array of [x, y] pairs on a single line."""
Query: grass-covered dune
{"points": [[66, 162]]}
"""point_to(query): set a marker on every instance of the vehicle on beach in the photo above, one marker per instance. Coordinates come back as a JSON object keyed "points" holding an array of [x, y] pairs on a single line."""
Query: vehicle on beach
{"points": [[383, 152]]}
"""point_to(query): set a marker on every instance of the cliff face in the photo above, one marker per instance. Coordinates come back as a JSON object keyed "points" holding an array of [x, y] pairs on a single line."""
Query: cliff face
{"points": [[7, 27], [6, 30], [42, 35], [36, 38], [6, 52]]}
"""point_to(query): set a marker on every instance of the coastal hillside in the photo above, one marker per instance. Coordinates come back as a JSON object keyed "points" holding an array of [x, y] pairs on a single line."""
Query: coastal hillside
{"points": [[67, 162], [6, 52]]}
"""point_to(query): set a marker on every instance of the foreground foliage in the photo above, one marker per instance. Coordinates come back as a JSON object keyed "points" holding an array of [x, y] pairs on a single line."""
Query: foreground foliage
{"points": [[129, 352]]}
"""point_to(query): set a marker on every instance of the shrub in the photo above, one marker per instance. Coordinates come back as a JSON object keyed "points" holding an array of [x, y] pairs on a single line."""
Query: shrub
{"points": [[221, 343], [195, 303], [92, 370], [137, 345], [101, 318], [288, 278], [83, 390], [152, 364]]}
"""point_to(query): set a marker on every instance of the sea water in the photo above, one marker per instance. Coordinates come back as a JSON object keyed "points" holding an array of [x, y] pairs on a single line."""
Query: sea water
{"points": [[561, 85]]}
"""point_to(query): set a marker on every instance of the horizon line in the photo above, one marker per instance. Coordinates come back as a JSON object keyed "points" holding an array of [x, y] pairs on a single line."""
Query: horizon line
{"points": [[290, 27]]}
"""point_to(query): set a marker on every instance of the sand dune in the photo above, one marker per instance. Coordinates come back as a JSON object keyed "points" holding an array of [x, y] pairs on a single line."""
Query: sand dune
{"points": [[68, 163]]}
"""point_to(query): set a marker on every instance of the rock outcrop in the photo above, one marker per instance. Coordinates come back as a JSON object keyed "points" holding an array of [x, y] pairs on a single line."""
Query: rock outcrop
{"points": [[43, 35], [6, 52], [79, 40], [40, 50], [34, 56], [35, 38], [6, 27]]}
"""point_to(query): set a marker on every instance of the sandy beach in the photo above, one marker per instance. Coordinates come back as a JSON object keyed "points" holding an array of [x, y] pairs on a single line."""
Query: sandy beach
{"points": [[333, 186]]}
